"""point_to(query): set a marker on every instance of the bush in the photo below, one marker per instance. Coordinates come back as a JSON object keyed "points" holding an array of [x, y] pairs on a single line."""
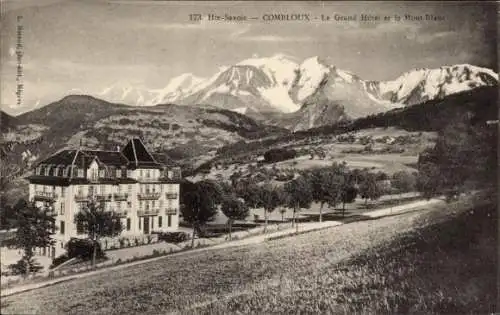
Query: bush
{"points": [[173, 237], [83, 248], [22, 266], [59, 260], [277, 155]]}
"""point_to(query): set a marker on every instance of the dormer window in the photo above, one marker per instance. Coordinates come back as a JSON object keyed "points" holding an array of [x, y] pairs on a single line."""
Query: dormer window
{"points": [[47, 170], [102, 173], [65, 172], [79, 172], [39, 170]]}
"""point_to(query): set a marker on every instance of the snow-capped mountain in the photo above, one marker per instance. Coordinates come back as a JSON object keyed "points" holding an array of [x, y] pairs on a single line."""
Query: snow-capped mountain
{"points": [[259, 84], [128, 94], [319, 84], [310, 93], [421, 85], [177, 88]]}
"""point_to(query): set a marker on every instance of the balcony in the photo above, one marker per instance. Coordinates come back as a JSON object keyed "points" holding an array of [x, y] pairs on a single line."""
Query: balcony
{"points": [[120, 196], [148, 196], [143, 213], [172, 195], [144, 179], [45, 196], [81, 198], [171, 211], [103, 197], [121, 213]]}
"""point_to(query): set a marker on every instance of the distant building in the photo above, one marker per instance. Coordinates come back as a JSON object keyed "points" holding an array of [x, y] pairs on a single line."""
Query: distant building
{"points": [[130, 182]]}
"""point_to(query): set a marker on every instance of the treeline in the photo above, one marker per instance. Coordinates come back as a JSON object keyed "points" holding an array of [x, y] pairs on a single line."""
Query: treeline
{"points": [[481, 103], [464, 158], [328, 186], [279, 154]]}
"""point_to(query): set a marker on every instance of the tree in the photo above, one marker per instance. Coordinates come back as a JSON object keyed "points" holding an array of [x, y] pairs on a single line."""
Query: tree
{"points": [[95, 221], [348, 195], [403, 181], [7, 214], [465, 157], [299, 195], [369, 188], [234, 209], [200, 202], [270, 201], [283, 201], [326, 187], [250, 192], [36, 227]]}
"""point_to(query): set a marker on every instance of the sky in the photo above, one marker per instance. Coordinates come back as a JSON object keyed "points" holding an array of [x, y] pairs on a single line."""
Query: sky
{"points": [[83, 47]]}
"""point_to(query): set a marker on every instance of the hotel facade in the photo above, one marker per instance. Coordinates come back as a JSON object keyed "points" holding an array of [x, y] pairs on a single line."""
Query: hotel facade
{"points": [[130, 182]]}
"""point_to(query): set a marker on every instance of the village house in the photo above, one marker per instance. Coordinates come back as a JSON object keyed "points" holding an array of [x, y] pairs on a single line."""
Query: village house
{"points": [[130, 182]]}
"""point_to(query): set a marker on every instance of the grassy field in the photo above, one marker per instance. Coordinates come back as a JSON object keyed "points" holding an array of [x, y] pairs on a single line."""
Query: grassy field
{"points": [[446, 264]]}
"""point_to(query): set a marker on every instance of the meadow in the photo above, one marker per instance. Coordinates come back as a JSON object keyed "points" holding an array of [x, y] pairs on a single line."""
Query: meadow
{"points": [[384, 265]]}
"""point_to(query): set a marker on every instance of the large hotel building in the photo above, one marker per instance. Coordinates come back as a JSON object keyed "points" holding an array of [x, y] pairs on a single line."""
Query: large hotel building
{"points": [[129, 181]]}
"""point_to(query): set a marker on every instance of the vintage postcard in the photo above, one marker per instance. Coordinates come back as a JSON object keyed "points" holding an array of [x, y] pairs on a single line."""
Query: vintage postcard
{"points": [[249, 157]]}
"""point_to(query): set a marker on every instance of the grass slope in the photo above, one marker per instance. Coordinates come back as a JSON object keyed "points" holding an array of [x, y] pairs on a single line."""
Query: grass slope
{"points": [[309, 273]]}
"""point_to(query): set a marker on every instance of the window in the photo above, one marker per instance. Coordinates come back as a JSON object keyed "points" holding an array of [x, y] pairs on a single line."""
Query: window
{"points": [[119, 173], [129, 204], [159, 221], [140, 219], [140, 173], [102, 173], [161, 204], [152, 222], [154, 203], [47, 169], [63, 191], [130, 189], [62, 208], [80, 172], [62, 227], [39, 170], [128, 224], [169, 220]]}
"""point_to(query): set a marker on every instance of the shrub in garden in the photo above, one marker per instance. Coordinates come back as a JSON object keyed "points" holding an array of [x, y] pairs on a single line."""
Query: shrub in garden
{"points": [[173, 237], [59, 260], [82, 248]]}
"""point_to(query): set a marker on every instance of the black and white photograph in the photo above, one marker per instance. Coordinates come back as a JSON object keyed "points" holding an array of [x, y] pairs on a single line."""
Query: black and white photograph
{"points": [[249, 157]]}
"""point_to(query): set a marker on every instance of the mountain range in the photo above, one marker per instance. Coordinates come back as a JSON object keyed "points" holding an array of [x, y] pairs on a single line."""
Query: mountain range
{"points": [[306, 94]]}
